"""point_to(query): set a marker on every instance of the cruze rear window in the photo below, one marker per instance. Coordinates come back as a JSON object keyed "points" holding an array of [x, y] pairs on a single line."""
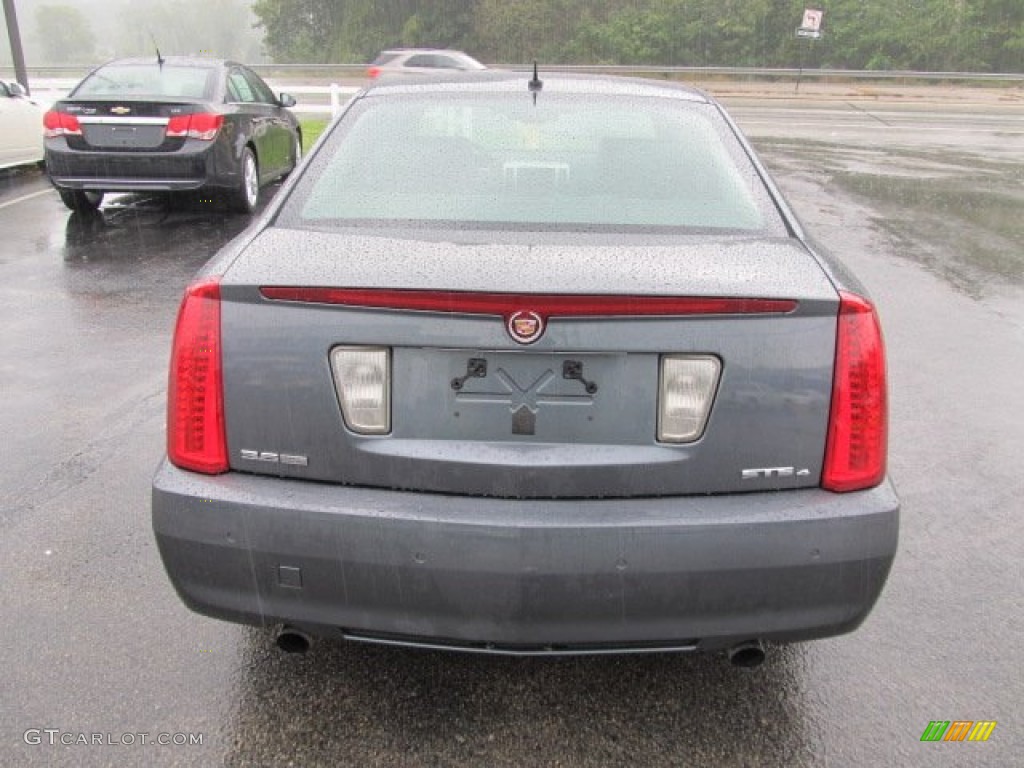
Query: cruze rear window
{"points": [[127, 81], [564, 162]]}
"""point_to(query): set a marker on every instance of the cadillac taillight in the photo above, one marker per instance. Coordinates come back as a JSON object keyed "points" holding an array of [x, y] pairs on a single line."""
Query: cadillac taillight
{"points": [[196, 438], [855, 452]]}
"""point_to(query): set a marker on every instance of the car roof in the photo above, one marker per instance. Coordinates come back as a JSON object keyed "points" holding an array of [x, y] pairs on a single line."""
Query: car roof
{"points": [[510, 82], [200, 62], [423, 50]]}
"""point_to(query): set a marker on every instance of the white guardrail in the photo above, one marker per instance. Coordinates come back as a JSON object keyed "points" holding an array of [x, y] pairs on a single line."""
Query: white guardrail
{"points": [[329, 97], [324, 100]]}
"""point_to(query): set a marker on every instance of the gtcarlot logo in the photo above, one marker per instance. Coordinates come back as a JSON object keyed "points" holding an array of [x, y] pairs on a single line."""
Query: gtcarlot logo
{"points": [[958, 730], [56, 737]]}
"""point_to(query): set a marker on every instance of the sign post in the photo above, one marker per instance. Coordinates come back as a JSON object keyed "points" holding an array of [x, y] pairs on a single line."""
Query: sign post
{"points": [[809, 29], [811, 25]]}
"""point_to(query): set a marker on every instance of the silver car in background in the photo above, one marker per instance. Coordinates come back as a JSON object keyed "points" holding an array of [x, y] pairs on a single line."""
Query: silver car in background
{"points": [[529, 367], [421, 61]]}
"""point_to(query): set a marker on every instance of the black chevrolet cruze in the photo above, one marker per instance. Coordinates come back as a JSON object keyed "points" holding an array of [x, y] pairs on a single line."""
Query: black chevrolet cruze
{"points": [[170, 124]]}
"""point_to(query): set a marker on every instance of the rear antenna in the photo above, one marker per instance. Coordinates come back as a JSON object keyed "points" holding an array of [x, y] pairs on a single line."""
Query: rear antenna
{"points": [[159, 58], [536, 84]]}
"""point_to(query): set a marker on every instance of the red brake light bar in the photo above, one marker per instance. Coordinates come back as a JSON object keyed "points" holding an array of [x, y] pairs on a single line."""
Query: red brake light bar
{"points": [[544, 304]]}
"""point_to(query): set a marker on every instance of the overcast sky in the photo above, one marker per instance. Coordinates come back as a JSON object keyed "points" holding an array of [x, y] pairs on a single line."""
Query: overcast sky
{"points": [[120, 27]]}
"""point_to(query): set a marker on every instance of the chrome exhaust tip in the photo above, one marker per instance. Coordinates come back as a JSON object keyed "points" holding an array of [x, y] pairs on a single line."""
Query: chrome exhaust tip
{"points": [[292, 640], [747, 654]]}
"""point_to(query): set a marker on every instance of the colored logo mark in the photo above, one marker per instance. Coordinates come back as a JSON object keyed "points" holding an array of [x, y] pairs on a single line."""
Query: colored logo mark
{"points": [[958, 730], [525, 326]]}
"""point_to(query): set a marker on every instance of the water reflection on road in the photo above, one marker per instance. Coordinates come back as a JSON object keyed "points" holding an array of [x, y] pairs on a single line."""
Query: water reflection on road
{"points": [[959, 215]]}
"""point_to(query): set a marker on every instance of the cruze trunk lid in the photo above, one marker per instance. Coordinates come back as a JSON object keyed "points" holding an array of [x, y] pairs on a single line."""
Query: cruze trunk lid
{"points": [[127, 125]]}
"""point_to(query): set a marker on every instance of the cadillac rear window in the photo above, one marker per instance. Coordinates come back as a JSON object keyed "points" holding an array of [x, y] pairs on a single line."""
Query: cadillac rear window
{"points": [[565, 162]]}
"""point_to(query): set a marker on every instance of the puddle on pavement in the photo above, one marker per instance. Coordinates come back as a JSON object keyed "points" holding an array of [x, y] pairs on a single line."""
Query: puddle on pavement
{"points": [[959, 215]]}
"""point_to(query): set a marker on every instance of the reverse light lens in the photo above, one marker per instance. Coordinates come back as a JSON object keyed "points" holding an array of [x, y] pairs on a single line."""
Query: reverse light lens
{"points": [[60, 124], [687, 386], [362, 379], [201, 125], [196, 438], [855, 453]]}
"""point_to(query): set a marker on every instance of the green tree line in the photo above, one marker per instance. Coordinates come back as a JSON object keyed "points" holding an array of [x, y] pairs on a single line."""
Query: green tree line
{"points": [[935, 35]]}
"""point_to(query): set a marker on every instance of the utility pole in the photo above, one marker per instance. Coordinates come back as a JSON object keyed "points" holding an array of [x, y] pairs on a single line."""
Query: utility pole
{"points": [[14, 35]]}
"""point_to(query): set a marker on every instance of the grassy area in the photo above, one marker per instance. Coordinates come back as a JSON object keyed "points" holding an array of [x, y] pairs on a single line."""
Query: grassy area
{"points": [[311, 130]]}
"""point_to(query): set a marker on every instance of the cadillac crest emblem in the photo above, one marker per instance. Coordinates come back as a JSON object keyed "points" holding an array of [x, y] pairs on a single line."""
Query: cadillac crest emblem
{"points": [[525, 326]]}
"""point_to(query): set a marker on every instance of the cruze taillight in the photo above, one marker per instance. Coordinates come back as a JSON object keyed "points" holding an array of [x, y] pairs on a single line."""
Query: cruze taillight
{"points": [[57, 123], [196, 437], [199, 125], [855, 452]]}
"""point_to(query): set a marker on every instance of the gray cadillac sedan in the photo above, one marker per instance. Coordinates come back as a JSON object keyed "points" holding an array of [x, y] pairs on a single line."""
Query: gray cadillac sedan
{"points": [[529, 366]]}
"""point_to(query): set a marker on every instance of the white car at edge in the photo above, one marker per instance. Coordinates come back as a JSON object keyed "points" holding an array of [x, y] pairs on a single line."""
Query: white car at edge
{"points": [[21, 127]]}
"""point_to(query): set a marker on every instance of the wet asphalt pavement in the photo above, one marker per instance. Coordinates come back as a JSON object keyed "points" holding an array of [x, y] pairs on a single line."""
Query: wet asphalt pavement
{"points": [[98, 643]]}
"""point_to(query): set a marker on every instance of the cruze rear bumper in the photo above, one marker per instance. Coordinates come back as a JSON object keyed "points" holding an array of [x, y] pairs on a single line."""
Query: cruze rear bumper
{"points": [[195, 165], [525, 576]]}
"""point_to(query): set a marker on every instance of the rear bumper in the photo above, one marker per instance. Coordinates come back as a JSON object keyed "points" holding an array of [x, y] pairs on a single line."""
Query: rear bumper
{"points": [[194, 166], [127, 185], [525, 576]]}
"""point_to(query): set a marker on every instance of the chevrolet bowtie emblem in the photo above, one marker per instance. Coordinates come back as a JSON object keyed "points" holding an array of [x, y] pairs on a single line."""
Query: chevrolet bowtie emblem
{"points": [[120, 110]]}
